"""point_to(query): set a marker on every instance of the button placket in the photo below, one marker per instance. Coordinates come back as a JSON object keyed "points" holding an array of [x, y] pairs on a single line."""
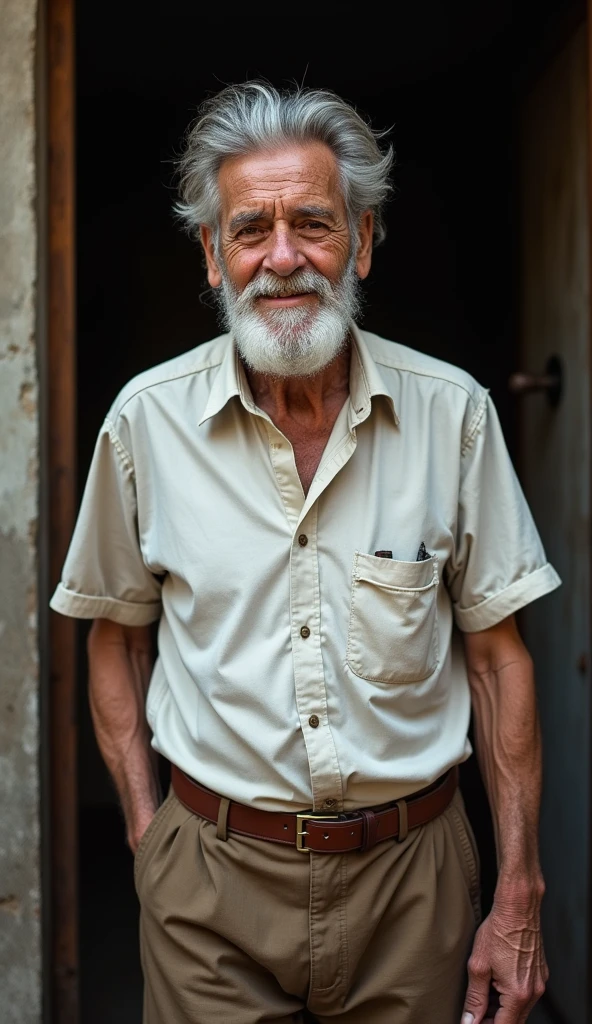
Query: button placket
{"points": [[286, 474], [309, 680], [328, 471]]}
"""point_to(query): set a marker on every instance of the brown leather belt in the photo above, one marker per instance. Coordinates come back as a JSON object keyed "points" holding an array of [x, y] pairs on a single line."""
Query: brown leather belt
{"points": [[316, 832]]}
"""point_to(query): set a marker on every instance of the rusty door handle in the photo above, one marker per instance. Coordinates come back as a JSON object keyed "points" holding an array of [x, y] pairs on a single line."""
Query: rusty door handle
{"points": [[551, 381]]}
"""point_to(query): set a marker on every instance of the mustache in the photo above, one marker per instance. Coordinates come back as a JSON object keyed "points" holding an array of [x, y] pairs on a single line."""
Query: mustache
{"points": [[272, 286]]}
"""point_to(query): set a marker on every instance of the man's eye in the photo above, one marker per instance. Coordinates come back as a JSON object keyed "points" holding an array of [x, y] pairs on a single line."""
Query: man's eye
{"points": [[314, 225]]}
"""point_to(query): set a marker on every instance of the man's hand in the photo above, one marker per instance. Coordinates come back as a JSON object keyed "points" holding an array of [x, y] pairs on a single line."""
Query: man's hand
{"points": [[136, 829], [508, 954]]}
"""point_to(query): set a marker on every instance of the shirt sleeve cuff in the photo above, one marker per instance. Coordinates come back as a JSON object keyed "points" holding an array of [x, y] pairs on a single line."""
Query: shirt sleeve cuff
{"points": [[84, 606], [508, 601]]}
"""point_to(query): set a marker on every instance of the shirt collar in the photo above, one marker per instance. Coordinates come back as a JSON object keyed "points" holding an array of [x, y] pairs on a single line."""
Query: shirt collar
{"points": [[365, 382], [230, 381]]}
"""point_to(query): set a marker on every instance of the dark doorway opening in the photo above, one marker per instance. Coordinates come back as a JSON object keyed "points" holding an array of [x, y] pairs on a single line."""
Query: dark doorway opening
{"points": [[448, 83]]}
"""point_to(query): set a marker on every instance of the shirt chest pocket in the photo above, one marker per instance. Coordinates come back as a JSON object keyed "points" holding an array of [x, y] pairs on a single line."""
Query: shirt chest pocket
{"points": [[393, 634]]}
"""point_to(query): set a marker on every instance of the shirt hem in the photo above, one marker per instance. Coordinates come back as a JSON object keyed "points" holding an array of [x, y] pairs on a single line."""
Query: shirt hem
{"points": [[520, 593], [85, 606]]}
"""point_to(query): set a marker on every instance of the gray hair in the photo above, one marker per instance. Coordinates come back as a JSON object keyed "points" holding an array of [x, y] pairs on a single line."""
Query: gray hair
{"points": [[255, 116]]}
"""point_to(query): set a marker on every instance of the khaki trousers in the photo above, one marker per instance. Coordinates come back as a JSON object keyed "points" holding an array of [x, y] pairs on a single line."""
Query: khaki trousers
{"points": [[244, 931]]}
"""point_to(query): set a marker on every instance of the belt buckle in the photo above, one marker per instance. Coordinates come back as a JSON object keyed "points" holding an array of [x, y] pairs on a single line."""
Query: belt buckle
{"points": [[301, 832]]}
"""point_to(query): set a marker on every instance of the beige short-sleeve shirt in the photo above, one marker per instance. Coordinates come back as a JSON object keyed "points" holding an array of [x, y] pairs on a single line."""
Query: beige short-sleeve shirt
{"points": [[296, 667]]}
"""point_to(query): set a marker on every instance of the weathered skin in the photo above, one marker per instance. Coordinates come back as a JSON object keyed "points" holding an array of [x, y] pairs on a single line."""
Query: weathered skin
{"points": [[266, 225]]}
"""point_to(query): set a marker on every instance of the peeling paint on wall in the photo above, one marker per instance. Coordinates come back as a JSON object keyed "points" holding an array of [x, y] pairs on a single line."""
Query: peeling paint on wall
{"points": [[20, 941]]}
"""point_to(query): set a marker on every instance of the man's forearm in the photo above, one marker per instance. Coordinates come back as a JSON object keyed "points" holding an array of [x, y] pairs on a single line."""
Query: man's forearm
{"points": [[119, 672], [508, 949], [508, 745]]}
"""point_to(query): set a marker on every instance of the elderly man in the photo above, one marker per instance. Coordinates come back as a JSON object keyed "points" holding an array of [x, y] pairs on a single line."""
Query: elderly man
{"points": [[330, 533]]}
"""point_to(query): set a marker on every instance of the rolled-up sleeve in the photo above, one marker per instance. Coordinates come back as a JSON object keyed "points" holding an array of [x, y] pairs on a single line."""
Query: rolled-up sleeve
{"points": [[104, 575], [498, 564]]}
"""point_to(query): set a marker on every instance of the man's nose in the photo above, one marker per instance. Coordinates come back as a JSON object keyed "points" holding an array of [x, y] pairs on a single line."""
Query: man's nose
{"points": [[283, 256]]}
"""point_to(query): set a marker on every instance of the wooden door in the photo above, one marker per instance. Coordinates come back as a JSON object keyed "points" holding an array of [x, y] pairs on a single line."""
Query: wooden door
{"points": [[555, 464]]}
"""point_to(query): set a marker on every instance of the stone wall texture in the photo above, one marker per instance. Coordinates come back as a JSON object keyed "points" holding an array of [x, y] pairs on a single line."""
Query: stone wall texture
{"points": [[20, 926]]}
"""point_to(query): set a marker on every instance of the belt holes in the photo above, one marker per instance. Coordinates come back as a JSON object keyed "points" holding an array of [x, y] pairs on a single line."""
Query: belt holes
{"points": [[285, 828], [325, 835]]}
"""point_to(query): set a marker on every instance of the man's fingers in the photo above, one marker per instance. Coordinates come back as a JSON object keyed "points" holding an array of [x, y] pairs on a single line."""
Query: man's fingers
{"points": [[514, 1011], [511, 1013], [477, 997]]}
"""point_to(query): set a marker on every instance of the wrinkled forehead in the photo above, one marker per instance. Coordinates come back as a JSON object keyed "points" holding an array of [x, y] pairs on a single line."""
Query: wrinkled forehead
{"points": [[281, 179]]}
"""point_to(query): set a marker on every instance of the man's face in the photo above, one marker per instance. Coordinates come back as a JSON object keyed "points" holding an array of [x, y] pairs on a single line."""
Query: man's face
{"points": [[286, 263]]}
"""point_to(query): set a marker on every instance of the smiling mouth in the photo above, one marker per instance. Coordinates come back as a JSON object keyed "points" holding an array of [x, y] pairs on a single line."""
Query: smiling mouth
{"points": [[292, 299]]}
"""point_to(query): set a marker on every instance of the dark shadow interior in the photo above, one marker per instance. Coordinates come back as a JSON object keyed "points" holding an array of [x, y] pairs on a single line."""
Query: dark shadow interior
{"points": [[447, 79]]}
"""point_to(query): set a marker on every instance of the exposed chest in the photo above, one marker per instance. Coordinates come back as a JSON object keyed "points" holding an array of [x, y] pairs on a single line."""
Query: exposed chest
{"points": [[309, 438], [308, 447]]}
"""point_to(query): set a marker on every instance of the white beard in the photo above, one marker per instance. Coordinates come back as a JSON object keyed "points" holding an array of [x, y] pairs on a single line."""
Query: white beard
{"points": [[296, 341]]}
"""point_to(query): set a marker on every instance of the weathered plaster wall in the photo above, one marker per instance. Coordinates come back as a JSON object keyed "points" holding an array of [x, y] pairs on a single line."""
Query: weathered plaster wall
{"points": [[20, 945]]}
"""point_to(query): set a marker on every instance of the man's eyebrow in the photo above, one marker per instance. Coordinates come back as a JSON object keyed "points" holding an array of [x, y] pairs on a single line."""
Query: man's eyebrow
{"points": [[241, 220], [315, 211], [248, 217]]}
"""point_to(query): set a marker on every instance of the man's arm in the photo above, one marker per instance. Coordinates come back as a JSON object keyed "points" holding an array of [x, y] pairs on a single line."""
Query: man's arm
{"points": [[508, 950], [120, 664]]}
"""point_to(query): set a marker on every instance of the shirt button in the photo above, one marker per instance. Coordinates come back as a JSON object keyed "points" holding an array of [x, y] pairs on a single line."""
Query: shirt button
{"points": [[305, 633], [303, 540], [314, 721], [330, 802]]}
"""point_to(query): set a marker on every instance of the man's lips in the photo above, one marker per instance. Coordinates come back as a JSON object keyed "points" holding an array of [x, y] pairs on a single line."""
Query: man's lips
{"points": [[287, 300]]}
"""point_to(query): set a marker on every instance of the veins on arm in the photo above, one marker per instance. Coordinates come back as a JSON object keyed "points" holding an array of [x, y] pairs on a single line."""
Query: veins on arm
{"points": [[508, 746]]}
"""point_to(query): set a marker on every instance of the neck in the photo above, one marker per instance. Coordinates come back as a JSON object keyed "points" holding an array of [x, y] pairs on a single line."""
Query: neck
{"points": [[304, 399]]}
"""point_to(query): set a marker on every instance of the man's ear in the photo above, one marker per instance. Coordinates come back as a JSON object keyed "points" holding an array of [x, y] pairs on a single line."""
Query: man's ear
{"points": [[364, 250], [214, 272]]}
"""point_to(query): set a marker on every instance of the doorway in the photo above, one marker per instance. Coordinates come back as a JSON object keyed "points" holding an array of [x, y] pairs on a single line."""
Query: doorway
{"points": [[450, 85]]}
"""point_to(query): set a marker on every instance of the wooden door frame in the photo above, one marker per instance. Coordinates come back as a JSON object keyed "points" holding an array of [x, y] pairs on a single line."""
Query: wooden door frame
{"points": [[62, 888], [589, 653]]}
